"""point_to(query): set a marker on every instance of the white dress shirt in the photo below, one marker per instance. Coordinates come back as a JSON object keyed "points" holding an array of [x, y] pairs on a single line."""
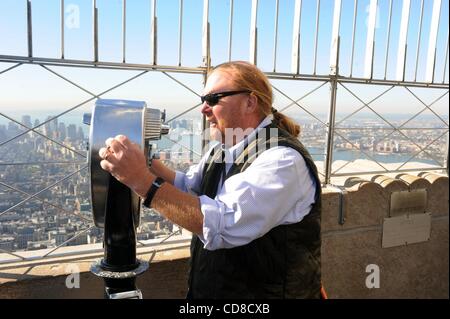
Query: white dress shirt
{"points": [[276, 189]]}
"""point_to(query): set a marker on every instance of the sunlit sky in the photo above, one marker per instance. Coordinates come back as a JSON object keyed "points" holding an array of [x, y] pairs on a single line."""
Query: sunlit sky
{"points": [[33, 89]]}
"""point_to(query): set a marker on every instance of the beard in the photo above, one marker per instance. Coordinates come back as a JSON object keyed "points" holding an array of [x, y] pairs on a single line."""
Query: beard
{"points": [[226, 133], [215, 133]]}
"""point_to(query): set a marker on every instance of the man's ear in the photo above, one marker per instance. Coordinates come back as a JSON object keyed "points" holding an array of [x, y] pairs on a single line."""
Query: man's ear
{"points": [[252, 103]]}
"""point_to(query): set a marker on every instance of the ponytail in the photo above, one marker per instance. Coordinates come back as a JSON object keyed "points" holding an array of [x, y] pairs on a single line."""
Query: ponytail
{"points": [[286, 123]]}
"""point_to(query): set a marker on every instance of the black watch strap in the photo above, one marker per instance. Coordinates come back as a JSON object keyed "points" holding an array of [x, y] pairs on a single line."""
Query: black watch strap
{"points": [[157, 183]]}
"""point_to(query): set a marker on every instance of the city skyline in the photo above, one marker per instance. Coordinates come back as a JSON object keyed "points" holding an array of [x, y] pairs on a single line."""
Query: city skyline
{"points": [[61, 209], [388, 122]]}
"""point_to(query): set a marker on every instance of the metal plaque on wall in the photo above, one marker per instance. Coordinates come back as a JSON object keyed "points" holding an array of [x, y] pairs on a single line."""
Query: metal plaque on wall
{"points": [[408, 202], [406, 229]]}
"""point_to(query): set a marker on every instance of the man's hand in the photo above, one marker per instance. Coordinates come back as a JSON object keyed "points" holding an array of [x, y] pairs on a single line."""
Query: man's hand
{"points": [[126, 162]]}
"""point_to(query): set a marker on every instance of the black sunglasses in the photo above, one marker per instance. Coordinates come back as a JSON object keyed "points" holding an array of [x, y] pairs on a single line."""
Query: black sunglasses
{"points": [[213, 98]]}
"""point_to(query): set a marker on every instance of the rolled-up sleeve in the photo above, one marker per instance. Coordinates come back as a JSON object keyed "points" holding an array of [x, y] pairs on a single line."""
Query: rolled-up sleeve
{"points": [[275, 189], [189, 181], [180, 181]]}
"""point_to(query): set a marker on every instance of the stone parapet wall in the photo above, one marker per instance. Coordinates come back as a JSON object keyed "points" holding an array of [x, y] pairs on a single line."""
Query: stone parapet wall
{"points": [[352, 228], [352, 235]]}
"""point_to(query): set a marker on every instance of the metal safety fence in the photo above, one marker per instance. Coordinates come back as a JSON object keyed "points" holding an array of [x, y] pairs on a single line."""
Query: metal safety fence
{"points": [[340, 68]]}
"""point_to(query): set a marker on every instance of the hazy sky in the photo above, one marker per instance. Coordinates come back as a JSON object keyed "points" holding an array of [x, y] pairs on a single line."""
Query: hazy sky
{"points": [[30, 88]]}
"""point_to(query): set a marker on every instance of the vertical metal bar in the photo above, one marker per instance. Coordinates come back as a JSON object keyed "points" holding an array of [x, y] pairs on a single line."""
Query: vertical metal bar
{"points": [[124, 29], [317, 35], [29, 29], [180, 31], [253, 32], [334, 67], [95, 28], [431, 56], [153, 33], [331, 124], [295, 63], [205, 33], [448, 144], [388, 39], [205, 123], [368, 62], [446, 59], [330, 131], [355, 15], [418, 40], [230, 30], [401, 55], [62, 29], [342, 193], [275, 38]]}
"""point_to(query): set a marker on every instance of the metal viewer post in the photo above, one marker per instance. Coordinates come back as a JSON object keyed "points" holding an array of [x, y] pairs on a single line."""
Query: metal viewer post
{"points": [[115, 207]]}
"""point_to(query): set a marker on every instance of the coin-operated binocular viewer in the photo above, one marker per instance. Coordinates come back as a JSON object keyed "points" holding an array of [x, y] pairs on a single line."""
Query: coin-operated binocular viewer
{"points": [[115, 207]]}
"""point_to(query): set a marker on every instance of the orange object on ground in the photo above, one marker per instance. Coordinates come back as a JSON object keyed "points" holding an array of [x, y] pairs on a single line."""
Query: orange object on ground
{"points": [[323, 294]]}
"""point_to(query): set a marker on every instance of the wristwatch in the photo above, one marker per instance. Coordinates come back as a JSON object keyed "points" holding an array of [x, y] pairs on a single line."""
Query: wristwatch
{"points": [[157, 183]]}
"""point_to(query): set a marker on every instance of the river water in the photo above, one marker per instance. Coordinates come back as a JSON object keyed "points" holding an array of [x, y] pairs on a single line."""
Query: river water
{"points": [[317, 153]]}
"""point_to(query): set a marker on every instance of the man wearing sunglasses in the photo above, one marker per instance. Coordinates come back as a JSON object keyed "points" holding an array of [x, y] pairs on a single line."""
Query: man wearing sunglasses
{"points": [[252, 202]]}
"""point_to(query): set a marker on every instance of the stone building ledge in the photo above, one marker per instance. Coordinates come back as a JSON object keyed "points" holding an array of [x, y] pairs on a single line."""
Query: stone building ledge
{"points": [[353, 218]]}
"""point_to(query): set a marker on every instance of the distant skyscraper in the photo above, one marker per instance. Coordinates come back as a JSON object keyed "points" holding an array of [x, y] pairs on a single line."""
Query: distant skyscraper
{"points": [[47, 127], [54, 124], [13, 129], [26, 120], [62, 131], [72, 131]]}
